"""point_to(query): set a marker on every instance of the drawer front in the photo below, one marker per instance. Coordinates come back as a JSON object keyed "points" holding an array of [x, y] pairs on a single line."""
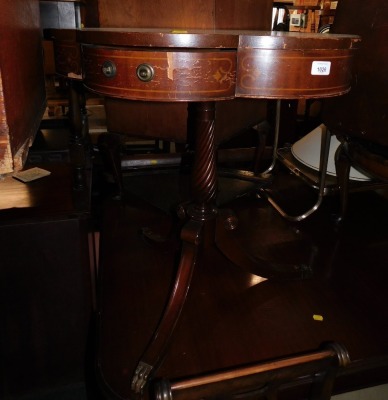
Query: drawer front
{"points": [[160, 75], [290, 74]]}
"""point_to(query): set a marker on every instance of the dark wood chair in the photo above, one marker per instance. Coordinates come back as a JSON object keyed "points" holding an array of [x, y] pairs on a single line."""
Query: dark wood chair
{"points": [[65, 16], [359, 118]]}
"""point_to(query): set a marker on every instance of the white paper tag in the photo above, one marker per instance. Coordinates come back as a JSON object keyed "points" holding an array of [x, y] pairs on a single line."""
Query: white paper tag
{"points": [[31, 174], [320, 68]]}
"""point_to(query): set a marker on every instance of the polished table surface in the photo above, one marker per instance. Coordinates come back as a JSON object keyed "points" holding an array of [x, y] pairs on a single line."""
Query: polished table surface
{"points": [[232, 317], [44, 282], [49, 197]]}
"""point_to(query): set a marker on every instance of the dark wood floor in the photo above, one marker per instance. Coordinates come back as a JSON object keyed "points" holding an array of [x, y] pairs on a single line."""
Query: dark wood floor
{"points": [[231, 316]]}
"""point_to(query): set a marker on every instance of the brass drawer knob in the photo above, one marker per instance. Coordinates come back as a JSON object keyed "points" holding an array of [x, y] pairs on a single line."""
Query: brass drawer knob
{"points": [[109, 69], [145, 72]]}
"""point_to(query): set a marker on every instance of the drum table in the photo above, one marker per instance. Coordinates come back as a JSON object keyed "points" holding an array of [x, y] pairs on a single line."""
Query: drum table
{"points": [[204, 67]]}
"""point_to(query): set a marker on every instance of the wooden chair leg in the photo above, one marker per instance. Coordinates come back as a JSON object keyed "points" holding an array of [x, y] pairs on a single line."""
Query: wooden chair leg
{"points": [[342, 166], [260, 147], [79, 131], [110, 149]]}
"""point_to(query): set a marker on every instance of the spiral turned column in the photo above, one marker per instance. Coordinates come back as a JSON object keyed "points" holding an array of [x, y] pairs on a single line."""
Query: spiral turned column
{"points": [[204, 174]]}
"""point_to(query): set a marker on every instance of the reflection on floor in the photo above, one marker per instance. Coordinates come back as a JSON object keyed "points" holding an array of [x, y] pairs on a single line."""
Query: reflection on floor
{"points": [[345, 260], [365, 212]]}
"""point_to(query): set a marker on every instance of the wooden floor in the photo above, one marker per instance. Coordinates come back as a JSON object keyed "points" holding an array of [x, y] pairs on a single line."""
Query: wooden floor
{"points": [[233, 317]]}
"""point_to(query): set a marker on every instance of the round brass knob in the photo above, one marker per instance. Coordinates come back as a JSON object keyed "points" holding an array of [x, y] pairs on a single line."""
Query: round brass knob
{"points": [[145, 72], [109, 69]]}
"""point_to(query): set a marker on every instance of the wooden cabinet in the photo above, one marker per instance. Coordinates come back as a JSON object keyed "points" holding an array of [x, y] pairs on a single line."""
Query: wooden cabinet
{"points": [[328, 12], [22, 87], [45, 285], [304, 15], [186, 14]]}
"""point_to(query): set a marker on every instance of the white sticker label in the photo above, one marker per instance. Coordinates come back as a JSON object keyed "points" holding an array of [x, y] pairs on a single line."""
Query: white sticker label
{"points": [[320, 68]]}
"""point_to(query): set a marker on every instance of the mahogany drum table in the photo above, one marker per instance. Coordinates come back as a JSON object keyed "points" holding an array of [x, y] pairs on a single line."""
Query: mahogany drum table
{"points": [[204, 67]]}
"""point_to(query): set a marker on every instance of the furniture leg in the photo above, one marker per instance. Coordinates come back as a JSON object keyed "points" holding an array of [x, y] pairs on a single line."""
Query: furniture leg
{"points": [[324, 156], [204, 176], [201, 210], [78, 129], [190, 236], [276, 138], [110, 148], [342, 166]]}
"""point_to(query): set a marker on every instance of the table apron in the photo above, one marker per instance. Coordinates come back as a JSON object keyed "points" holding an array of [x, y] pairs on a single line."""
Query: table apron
{"points": [[177, 75]]}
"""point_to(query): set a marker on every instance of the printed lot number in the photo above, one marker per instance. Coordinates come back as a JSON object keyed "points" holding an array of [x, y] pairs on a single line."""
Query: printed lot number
{"points": [[320, 68]]}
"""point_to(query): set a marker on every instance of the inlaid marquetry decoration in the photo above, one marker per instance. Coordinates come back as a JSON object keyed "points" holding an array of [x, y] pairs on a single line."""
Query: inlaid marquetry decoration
{"points": [[160, 75], [294, 65]]}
